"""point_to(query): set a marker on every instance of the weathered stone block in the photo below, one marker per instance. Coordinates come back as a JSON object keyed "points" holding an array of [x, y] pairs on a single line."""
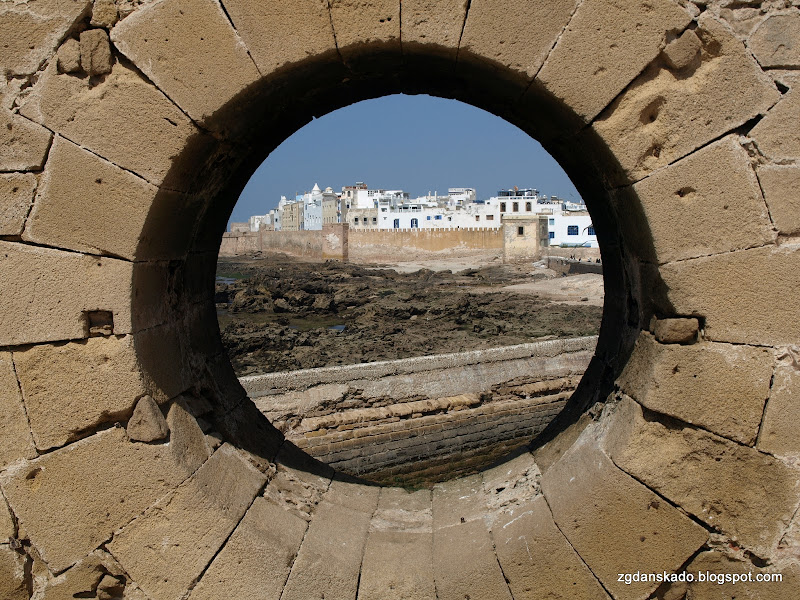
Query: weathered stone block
{"points": [[194, 521], [76, 284], [746, 494], [255, 561], [281, 33], [382, 577], [16, 196], [433, 26], [16, 441], [779, 430], [32, 30], [537, 560], [329, 560], [147, 424], [742, 295], [87, 204], [464, 563], [773, 138], [353, 495], [95, 52], [13, 584], [776, 41], [721, 565], [95, 380], [7, 527], [680, 52], [678, 330], [491, 30], [707, 203], [69, 502], [189, 50], [104, 13], [606, 44], [720, 387], [23, 144], [458, 501], [781, 184], [361, 24], [69, 57], [667, 113], [611, 519], [186, 440], [124, 119]]}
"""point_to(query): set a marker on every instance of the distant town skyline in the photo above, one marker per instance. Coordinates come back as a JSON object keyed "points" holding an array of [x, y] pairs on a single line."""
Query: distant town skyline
{"points": [[419, 144]]}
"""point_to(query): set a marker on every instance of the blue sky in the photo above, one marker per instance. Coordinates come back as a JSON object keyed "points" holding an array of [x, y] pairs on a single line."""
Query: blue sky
{"points": [[414, 143]]}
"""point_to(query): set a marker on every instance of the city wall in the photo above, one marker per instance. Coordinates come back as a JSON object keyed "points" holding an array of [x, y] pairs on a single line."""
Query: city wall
{"points": [[414, 418], [365, 244]]}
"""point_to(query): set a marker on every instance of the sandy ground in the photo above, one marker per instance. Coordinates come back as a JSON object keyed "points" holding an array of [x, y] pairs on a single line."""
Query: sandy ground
{"points": [[575, 289]]}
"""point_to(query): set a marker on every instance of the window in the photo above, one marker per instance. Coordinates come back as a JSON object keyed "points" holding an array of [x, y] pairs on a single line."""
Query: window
{"points": [[355, 221], [397, 223], [520, 231], [439, 217], [428, 217], [502, 207], [528, 206], [551, 221], [374, 220], [414, 224], [477, 217], [552, 235], [572, 230], [515, 206], [490, 217], [590, 230]]}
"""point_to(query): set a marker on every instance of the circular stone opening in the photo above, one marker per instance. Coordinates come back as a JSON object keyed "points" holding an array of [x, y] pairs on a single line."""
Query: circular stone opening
{"points": [[442, 330]]}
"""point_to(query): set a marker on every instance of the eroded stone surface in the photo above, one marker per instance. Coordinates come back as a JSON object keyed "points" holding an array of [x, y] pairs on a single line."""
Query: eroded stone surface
{"points": [[666, 113], [748, 495], [148, 140], [491, 31], [281, 33], [781, 185], [104, 13], [707, 203], [69, 57], [87, 204], [720, 387], [23, 144], [96, 380], [189, 50], [773, 137], [16, 196], [194, 521], [255, 561], [69, 502], [32, 30], [679, 330], [437, 24], [747, 302], [359, 24], [592, 502], [776, 41], [147, 424], [606, 44], [95, 52], [13, 584], [779, 430], [186, 440], [537, 559]]}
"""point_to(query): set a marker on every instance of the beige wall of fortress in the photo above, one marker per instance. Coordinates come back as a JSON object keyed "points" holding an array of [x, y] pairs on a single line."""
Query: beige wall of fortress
{"points": [[134, 465]]}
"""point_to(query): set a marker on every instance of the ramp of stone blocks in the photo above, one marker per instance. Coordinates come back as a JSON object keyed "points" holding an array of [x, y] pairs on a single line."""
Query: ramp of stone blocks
{"points": [[128, 129]]}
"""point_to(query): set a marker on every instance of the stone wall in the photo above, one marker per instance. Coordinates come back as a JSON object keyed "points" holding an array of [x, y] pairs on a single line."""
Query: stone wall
{"points": [[127, 131], [420, 419]]}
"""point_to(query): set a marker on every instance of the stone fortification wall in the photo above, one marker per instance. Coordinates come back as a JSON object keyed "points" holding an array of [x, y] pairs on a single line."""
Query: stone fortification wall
{"points": [[133, 464], [420, 417], [400, 244]]}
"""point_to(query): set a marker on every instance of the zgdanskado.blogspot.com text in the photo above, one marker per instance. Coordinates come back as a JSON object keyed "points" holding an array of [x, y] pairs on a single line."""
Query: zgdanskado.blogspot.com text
{"points": [[700, 576]]}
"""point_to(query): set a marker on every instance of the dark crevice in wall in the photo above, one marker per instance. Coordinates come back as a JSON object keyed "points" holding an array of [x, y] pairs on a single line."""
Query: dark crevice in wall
{"points": [[467, 6], [236, 32]]}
